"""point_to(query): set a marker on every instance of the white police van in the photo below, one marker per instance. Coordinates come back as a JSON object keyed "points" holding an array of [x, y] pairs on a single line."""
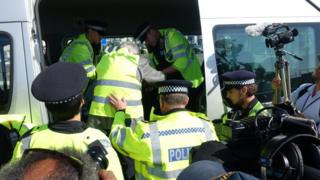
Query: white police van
{"points": [[33, 33]]}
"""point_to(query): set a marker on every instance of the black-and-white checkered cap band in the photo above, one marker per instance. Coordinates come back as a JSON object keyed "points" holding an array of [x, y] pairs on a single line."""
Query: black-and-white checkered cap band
{"points": [[241, 82], [63, 101], [172, 89]]}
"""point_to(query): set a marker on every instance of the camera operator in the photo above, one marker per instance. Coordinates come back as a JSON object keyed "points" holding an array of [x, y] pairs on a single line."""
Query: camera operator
{"points": [[306, 98], [239, 89]]}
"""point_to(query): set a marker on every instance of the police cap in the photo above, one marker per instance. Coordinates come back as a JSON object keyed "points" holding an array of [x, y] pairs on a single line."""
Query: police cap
{"points": [[60, 83], [173, 86], [142, 31], [98, 26], [237, 78]]}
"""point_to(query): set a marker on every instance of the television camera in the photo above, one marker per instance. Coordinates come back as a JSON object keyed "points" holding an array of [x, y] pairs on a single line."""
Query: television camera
{"points": [[278, 34], [274, 146]]}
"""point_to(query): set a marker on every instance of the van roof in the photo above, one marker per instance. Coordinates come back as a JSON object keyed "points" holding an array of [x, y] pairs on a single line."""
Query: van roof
{"points": [[122, 16], [256, 9]]}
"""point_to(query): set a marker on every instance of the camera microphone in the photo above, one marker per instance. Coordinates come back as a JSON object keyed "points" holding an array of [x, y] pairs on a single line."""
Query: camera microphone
{"points": [[257, 29]]}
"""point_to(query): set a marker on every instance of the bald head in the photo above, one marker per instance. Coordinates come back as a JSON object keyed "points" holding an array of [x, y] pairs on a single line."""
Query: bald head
{"points": [[52, 165], [50, 168]]}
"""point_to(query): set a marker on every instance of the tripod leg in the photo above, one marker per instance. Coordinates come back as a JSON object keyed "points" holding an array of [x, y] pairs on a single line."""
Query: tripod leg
{"points": [[277, 74], [287, 71]]}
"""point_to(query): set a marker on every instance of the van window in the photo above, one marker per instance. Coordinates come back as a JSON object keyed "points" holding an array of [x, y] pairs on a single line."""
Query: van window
{"points": [[234, 50], [5, 72]]}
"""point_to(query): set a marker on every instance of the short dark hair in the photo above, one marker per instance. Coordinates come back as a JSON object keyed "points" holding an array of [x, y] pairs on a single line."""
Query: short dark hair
{"points": [[64, 170], [174, 99], [252, 89], [65, 111]]}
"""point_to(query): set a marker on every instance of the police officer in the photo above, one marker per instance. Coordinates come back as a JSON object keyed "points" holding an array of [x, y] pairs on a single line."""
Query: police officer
{"points": [[80, 51], [60, 88], [160, 148], [239, 89], [170, 52], [120, 73]]}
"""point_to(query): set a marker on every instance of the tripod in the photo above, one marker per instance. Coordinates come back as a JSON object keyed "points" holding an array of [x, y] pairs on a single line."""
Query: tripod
{"points": [[282, 72]]}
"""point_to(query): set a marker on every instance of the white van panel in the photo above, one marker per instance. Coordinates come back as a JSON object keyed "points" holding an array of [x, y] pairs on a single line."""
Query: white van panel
{"points": [[32, 56], [20, 95], [13, 10], [255, 8]]}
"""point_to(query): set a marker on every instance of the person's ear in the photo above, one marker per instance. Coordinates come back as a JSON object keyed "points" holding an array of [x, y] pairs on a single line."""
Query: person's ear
{"points": [[186, 101], [82, 102], [244, 90]]}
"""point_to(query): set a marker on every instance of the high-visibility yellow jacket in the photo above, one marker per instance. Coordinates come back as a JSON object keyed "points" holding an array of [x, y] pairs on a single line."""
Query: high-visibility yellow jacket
{"points": [[117, 74], [69, 134], [179, 52], [160, 148], [224, 133], [80, 51]]}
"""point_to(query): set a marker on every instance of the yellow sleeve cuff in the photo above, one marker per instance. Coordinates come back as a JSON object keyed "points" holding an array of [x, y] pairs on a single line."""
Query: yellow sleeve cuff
{"points": [[119, 118]]}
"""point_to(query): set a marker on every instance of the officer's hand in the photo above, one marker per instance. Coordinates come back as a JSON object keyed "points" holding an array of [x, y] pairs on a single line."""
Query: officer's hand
{"points": [[276, 83], [119, 104]]}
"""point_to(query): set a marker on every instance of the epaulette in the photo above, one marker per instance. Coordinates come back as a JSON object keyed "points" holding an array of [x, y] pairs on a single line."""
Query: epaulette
{"points": [[34, 130], [200, 115]]}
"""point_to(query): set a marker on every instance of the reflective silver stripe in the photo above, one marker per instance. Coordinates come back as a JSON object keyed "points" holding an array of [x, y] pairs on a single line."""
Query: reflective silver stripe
{"points": [[207, 130], [105, 100], [179, 55], [157, 171], [26, 143], [139, 176], [122, 137], [119, 84], [177, 48], [134, 122], [114, 133], [86, 62], [155, 143], [90, 69]]}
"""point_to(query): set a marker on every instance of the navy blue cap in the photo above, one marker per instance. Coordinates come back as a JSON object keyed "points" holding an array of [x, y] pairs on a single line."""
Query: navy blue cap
{"points": [[98, 26], [202, 170], [238, 78], [142, 31], [173, 86], [59, 83]]}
